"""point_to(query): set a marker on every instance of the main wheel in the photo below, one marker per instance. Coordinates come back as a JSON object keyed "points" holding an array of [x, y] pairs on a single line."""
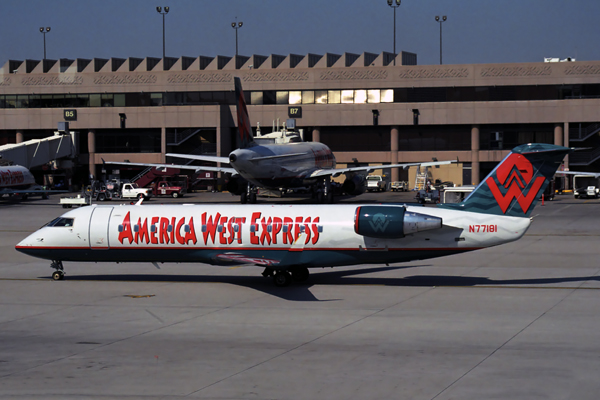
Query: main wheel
{"points": [[101, 197], [300, 274], [282, 278], [244, 198], [252, 198], [58, 275]]}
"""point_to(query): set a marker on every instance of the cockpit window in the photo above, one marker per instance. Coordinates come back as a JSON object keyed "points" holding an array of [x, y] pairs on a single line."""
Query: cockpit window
{"points": [[60, 221]]}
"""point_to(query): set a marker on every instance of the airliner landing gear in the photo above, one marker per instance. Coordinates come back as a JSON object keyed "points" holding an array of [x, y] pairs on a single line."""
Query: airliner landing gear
{"points": [[283, 278], [300, 274], [59, 274], [249, 196], [324, 191]]}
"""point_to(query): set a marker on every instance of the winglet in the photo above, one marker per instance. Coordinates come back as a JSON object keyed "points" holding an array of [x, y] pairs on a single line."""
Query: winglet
{"points": [[245, 131]]}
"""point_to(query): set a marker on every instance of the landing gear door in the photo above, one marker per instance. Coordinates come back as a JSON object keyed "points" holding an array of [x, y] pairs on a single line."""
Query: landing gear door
{"points": [[99, 223]]}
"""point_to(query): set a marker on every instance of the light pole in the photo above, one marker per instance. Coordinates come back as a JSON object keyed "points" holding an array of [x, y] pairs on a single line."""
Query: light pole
{"points": [[394, 4], [160, 11], [440, 20], [236, 25], [44, 31]]}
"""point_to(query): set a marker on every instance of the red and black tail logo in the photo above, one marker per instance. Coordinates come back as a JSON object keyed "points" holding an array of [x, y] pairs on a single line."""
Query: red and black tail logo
{"points": [[242, 114], [515, 174]]}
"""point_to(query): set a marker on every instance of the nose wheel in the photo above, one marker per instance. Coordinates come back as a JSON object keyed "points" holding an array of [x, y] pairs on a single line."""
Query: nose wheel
{"points": [[59, 274]]}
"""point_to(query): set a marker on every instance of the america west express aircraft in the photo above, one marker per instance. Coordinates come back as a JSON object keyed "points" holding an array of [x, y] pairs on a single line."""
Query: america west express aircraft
{"points": [[279, 160], [289, 239]]}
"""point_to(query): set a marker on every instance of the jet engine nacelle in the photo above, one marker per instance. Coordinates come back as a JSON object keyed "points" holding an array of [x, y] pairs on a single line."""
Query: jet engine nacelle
{"points": [[236, 185], [354, 185], [386, 222]]}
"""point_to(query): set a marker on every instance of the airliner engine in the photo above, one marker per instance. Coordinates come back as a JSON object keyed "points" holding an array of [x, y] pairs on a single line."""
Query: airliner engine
{"points": [[354, 185], [386, 222], [236, 185]]}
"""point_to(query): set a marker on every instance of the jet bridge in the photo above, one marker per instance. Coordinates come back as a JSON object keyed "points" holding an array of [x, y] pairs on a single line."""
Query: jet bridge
{"points": [[36, 152]]}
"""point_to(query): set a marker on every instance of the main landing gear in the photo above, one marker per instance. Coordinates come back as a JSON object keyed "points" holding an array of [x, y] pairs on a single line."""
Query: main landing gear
{"points": [[249, 196], [283, 278], [324, 193], [59, 274]]}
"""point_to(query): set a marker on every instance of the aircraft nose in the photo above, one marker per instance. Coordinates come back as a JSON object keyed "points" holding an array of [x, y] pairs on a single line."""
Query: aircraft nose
{"points": [[26, 245]]}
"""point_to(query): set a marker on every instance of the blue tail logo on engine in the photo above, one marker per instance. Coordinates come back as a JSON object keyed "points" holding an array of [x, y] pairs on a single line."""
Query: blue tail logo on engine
{"points": [[379, 223]]}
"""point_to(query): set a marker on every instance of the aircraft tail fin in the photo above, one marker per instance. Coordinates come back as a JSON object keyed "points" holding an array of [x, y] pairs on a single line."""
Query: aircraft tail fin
{"points": [[516, 184], [244, 128]]}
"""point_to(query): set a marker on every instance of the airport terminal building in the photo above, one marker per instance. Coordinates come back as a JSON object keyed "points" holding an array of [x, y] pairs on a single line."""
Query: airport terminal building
{"points": [[367, 109]]}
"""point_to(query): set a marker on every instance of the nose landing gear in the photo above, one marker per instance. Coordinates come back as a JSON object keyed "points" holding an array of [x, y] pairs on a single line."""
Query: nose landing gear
{"points": [[59, 274]]}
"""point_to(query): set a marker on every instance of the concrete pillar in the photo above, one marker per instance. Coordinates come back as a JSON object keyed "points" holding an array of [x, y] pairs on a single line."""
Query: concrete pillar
{"points": [[475, 155], [316, 135], [558, 134], [92, 151], [394, 152], [163, 144], [566, 160], [19, 137]]}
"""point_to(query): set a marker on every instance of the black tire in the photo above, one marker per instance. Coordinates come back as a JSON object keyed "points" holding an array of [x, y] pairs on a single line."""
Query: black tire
{"points": [[175, 195], [244, 198], [282, 278], [300, 274], [58, 275], [252, 199], [101, 197]]}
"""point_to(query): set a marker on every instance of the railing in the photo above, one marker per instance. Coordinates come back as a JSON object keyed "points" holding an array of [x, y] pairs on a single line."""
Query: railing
{"points": [[177, 138], [138, 176], [578, 133], [584, 157]]}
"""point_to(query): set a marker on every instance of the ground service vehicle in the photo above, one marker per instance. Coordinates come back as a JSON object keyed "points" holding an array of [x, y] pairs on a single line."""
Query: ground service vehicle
{"points": [[456, 194], [585, 187], [78, 201], [133, 191], [167, 188], [399, 186], [375, 183]]}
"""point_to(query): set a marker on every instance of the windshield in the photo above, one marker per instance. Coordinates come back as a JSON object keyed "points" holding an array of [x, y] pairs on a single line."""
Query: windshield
{"points": [[60, 221], [373, 178]]}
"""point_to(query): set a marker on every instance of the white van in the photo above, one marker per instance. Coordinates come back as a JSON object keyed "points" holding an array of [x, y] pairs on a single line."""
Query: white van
{"points": [[456, 194]]}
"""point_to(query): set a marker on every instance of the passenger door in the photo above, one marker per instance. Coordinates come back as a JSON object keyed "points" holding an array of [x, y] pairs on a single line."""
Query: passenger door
{"points": [[99, 222]]}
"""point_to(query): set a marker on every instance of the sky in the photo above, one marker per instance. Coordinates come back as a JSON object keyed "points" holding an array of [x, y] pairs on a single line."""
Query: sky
{"points": [[476, 31]]}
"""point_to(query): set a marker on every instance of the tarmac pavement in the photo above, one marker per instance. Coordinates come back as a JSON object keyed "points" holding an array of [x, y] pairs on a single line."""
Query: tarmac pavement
{"points": [[517, 321]]}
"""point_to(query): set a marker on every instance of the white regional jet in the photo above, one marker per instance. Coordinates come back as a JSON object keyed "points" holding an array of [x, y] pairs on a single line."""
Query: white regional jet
{"points": [[289, 239], [18, 180], [280, 160]]}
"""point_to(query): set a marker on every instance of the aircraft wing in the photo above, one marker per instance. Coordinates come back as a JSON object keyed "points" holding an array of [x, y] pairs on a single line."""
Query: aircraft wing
{"points": [[192, 167], [214, 159], [338, 172], [594, 174]]}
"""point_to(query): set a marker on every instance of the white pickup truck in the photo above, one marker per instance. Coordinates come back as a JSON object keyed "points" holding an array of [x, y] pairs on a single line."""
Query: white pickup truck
{"points": [[375, 183], [133, 191]]}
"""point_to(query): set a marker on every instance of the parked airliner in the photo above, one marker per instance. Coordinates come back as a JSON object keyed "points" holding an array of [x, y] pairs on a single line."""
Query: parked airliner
{"points": [[281, 160], [18, 180], [287, 240]]}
